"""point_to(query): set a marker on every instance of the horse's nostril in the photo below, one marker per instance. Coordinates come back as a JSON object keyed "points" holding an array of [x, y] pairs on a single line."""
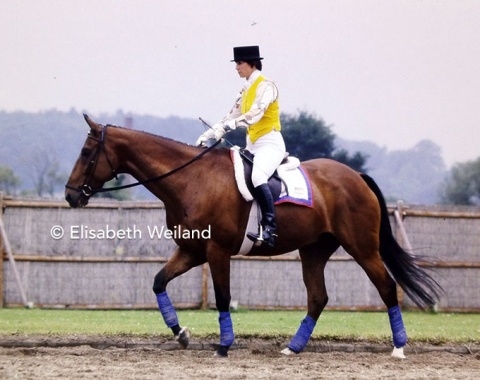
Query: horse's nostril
{"points": [[70, 199]]}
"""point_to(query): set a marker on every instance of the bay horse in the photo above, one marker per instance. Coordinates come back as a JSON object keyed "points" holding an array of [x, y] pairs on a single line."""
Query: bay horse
{"points": [[198, 189]]}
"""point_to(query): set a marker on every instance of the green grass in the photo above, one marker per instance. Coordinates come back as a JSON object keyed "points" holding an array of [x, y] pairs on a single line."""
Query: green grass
{"points": [[333, 325]]}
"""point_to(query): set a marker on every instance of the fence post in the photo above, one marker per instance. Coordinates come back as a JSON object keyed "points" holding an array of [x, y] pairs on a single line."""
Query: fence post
{"points": [[401, 233], [1, 254], [204, 304], [398, 214], [6, 243]]}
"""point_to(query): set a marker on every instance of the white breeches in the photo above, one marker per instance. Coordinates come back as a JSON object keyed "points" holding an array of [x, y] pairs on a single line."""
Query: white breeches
{"points": [[269, 151]]}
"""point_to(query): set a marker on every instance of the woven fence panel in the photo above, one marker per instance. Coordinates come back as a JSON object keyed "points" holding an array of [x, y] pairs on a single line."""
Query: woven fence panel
{"points": [[277, 284], [445, 239], [461, 289], [119, 272], [98, 285], [29, 231]]}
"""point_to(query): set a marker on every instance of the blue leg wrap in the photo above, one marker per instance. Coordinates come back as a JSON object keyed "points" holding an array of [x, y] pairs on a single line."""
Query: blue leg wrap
{"points": [[303, 334], [398, 329], [226, 329], [166, 308]]}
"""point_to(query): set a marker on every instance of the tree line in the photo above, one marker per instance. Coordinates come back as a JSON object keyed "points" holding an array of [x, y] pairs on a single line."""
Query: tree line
{"points": [[417, 175]]}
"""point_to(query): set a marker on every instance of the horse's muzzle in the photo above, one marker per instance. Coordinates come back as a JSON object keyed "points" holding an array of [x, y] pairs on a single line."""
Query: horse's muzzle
{"points": [[77, 199]]}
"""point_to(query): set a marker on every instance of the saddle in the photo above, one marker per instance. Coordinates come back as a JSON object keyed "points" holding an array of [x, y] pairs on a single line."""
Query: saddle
{"points": [[278, 186]]}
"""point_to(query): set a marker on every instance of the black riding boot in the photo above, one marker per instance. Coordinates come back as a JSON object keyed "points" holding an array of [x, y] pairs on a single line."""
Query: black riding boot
{"points": [[268, 226]]}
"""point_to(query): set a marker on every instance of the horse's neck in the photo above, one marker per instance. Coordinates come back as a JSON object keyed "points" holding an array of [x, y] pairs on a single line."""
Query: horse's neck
{"points": [[145, 156]]}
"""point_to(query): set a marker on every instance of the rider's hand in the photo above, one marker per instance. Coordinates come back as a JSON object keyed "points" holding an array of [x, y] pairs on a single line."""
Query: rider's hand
{"points": [[201, 141], [230, 125], [216, 132], [204, 137]]}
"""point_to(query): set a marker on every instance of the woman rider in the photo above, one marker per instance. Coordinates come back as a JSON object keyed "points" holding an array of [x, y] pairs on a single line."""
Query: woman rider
{"points": [[256, 109]]}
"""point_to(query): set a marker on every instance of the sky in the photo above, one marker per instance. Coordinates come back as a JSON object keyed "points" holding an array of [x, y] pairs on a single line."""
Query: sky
{"points": [[393, 72]]}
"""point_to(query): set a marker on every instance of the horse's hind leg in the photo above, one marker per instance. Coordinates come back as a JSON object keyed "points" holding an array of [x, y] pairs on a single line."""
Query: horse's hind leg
{"points": [[314, 259], [366, 254], [178, 264], [387, 289]]}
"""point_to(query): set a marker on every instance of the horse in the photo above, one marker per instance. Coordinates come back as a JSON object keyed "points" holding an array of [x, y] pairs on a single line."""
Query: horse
{"points": [[199, 191]]}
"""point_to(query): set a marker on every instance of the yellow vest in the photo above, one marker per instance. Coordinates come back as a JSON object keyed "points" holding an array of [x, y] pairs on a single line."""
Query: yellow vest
{"points": [[271, 118]]}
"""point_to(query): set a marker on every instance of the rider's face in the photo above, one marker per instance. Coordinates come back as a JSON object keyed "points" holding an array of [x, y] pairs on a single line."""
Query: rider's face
{"points": [[244, 69]]}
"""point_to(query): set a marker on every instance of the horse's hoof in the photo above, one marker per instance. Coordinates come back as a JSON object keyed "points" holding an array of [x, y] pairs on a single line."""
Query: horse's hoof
{"points": [[287, 352], [398, 353], [183, 337], [222, 352]]}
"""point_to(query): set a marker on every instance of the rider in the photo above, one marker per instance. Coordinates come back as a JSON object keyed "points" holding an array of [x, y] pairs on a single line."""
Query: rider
{"points": [[256, 109]]}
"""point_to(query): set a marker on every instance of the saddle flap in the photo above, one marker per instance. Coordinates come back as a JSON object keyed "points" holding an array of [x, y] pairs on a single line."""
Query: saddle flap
{"points": [[274, 182]]}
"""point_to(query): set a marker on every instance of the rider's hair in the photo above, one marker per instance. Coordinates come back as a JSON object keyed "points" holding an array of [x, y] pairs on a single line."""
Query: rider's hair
{"points": [[255, 63]]}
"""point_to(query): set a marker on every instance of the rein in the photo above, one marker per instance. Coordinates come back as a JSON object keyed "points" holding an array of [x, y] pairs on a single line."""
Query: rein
{"points": [[87, 190]]}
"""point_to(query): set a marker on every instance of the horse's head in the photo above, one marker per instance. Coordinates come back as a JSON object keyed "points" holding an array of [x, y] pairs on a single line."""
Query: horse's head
{"points": [[92, 169]]}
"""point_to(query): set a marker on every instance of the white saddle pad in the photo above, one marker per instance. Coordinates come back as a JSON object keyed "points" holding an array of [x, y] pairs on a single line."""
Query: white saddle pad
{"points": [[296, 187]]}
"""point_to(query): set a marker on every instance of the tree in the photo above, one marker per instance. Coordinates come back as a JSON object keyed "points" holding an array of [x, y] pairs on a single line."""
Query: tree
{"points": [[412, 175], [462, 187], [46, 174], [54, 178], [356, 162], [9, 182], [308, 137]]}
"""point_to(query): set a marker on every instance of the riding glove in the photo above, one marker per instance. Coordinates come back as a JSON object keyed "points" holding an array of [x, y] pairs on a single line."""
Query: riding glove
{"points": [[216, 132]]}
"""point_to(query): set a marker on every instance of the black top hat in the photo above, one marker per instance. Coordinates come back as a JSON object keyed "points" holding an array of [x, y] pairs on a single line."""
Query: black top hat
{"points": [[246, 53]]}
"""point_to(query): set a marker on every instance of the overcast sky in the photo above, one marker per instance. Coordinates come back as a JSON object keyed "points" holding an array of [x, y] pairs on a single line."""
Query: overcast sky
{"points": [[389, 71]]}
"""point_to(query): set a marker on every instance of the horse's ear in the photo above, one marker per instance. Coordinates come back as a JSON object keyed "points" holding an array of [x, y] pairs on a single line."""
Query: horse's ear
{"points": [[92, 124]]}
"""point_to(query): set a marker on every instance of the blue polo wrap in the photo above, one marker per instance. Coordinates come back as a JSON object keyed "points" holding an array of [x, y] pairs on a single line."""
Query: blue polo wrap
{"points": [[304, 332], [398, 329], [226, 329], [166, 308]]}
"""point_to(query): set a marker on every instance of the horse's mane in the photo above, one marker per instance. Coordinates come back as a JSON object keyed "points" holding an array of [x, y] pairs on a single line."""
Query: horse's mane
{"points": [[151, 134]]}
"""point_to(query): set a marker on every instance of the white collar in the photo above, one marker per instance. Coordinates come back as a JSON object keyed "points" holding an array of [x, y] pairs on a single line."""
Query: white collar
{"points": [[253, 77]]}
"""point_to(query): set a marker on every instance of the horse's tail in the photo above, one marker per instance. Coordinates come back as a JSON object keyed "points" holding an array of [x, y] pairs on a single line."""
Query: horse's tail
{"points": [[415, 282]]}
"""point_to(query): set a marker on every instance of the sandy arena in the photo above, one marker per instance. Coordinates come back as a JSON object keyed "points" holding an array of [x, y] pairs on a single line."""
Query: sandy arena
{"points": [[133, 358]]}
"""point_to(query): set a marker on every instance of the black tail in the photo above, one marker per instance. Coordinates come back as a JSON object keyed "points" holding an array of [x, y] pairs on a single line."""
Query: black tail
{"points": [[415, 282]]}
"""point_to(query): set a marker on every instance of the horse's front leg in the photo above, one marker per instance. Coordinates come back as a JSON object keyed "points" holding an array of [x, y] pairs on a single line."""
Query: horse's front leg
{"points": [[179, 263], [219, 263]]}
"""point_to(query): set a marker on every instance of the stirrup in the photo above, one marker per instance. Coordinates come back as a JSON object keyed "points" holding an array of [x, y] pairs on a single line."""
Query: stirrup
{"points": [[259, 238]]}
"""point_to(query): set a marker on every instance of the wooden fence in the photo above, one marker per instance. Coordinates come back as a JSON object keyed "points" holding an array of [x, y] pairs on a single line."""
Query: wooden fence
{"points": [[79, 271]]}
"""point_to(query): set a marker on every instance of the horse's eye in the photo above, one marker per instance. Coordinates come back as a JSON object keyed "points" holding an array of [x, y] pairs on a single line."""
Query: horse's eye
{"points": [[85, 152]]}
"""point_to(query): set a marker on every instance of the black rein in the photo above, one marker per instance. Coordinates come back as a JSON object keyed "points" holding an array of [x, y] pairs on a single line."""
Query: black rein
{"points": [[88, 191]]}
